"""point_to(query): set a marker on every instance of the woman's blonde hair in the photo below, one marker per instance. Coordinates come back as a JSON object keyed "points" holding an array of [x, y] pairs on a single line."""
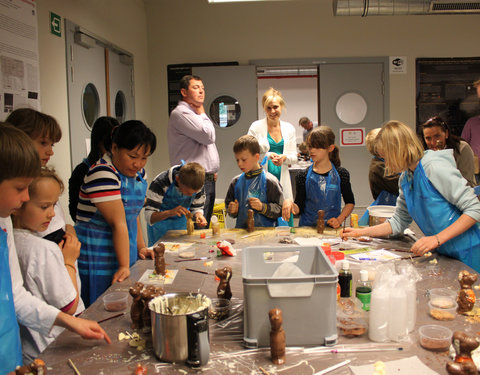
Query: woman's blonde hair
{"points": [[400, 146], [270, 95]]}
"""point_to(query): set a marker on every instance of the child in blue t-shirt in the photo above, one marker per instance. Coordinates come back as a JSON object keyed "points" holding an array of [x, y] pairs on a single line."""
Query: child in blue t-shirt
{"points": [[253, 189]]}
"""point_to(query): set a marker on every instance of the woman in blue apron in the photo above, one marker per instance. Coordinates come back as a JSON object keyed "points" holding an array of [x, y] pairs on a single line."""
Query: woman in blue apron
{"points": [[322, 185], [166, 211], [434, 194], [109, 204]]}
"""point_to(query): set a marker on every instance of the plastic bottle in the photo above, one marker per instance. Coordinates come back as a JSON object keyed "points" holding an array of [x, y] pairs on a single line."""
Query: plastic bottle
{"points": [[378, 317], [354, 220], [345, 280], [215, 225], [363, 291], [397, 316]]}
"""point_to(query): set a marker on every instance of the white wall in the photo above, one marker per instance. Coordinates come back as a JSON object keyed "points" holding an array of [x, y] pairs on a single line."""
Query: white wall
{"points": [[181, 31], [122, 22]]}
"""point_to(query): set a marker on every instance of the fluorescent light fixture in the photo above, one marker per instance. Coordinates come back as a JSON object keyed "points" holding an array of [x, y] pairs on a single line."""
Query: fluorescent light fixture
{"points": [[237, 1]]}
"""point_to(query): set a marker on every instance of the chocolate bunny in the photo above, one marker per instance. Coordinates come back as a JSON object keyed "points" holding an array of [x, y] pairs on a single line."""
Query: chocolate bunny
{"points": [[464, 345], [277, 337], [224, 274], [466, 296], [136, 310]]}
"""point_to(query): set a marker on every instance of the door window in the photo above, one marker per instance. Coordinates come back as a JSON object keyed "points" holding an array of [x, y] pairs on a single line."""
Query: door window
{"points": [[90, 105]]}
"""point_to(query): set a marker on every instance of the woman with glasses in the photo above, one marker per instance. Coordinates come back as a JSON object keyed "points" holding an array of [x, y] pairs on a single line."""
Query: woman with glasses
{"points": [[437, 136]]}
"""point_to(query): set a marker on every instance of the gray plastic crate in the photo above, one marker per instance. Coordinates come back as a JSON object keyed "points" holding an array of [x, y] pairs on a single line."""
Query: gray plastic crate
{"points": [[308, 303]]}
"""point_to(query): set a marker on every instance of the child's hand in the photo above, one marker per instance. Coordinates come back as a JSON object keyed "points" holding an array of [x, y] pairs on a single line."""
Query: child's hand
{"points": [[287, 209], [334, 222], [255, 203], [145, 252], [70, 247], [351, 232], [121, 274], [179, 211], [200, 220], [233, 207]]}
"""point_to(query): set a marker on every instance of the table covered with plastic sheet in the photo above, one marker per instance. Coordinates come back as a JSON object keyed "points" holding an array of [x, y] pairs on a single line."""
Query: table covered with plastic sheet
{"points": [[228, 354]]}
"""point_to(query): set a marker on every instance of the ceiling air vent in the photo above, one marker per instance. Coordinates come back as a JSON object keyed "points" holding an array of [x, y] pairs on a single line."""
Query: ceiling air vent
{"points": [[438, 6]]}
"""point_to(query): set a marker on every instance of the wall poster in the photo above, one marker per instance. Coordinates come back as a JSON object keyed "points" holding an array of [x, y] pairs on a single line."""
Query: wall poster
{"points": [[19, 71]]}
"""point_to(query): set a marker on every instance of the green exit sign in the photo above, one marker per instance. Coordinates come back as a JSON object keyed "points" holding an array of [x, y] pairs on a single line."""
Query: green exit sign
{"points": [[55, 24]]}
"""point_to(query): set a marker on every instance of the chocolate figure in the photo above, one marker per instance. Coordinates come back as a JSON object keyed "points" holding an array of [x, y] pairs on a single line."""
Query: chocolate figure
{"points": [[37, 367], [190, 226], [466, 296], [277, 337], [463, 345], [250, 221], [224, 274], [321, 221], [148, 293], [136, 310], [159, 252]]}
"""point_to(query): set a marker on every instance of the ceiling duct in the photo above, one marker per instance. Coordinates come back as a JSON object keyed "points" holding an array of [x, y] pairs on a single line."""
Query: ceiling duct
{"points": [[364, 8]]}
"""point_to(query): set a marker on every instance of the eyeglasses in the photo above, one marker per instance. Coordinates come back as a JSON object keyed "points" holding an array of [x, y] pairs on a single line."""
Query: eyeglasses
{"points": [[435, 121]]}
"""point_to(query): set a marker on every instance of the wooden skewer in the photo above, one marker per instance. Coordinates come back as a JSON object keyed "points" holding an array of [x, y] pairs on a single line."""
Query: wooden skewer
{"points": [[111, 317], [265, 372], [74, 367]]}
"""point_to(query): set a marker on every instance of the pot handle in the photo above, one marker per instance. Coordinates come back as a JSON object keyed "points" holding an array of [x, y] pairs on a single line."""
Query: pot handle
{"points": [[203, 343]]}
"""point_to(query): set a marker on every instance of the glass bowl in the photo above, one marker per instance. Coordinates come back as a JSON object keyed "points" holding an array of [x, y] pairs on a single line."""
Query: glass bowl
{"points": [[219, 309]]}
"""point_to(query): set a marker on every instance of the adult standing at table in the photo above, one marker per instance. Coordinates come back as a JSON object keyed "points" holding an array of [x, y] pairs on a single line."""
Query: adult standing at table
{"points": [[110, 200], [471, 130], [191, 136], [307, 126], [437, 136], [277, 139]]}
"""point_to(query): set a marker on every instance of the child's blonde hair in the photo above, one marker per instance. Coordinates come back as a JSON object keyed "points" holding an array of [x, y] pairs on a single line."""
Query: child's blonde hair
{"points": [[46, 172], [400, 146], [371, 141]]}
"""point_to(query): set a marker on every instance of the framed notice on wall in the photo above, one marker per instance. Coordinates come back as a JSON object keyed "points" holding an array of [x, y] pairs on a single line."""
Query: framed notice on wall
{"points": [[352, 137], [19, 73]]}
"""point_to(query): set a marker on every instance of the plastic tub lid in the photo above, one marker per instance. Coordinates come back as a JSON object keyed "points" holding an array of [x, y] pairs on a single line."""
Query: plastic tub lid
{"points": [[381, 211]]}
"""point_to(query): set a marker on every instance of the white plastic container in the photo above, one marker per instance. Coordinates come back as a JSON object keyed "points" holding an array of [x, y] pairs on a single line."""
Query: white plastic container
{"points": [[397, 316], [379, 310]]}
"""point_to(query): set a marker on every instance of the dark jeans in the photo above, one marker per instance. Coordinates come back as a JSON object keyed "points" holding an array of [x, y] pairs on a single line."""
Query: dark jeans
{"points": [[209, 201]]}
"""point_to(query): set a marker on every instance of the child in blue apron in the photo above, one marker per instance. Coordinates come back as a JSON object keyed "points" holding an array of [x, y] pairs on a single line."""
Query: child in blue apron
{"points": [[110, 200], [253, 189], [322, 185], [20, 164], [171, 195], [433, 193]]}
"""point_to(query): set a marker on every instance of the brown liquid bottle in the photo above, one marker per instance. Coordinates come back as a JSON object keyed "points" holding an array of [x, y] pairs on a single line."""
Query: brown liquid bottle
{"points": [[250, 221], [321, 221]]}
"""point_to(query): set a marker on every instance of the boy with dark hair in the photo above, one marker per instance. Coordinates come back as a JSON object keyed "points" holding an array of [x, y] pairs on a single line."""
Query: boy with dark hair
{"points": [[254, 189], [171, 196]]}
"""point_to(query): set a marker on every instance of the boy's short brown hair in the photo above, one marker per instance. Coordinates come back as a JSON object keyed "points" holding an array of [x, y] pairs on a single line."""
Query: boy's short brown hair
{"points": [[246, 142], [35, 124], [18, 155], [192, 175]]}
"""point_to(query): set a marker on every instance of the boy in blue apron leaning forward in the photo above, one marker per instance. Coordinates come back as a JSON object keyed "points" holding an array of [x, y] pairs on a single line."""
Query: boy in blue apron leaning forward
{"points": [[171, 195], [254, 189]]}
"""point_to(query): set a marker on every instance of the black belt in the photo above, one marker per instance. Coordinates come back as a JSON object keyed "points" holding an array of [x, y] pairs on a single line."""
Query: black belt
{"points": [[209, 176]]}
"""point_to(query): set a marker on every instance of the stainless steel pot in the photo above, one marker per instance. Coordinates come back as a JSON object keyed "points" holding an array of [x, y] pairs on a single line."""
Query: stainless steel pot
{"points": [[180, 328]]}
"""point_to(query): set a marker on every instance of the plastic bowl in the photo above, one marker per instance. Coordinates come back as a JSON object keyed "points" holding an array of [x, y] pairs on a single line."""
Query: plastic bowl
{"points": [[442, 308], [435, 338], [442, 292], [115, 301], [219, 309], [379, 214]]}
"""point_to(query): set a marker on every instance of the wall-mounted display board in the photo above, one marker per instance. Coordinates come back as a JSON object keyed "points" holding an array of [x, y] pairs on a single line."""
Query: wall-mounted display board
{"points": [[175, 72], [445, 88]]}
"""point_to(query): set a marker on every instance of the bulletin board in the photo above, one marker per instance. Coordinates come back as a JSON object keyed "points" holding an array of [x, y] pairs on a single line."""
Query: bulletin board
{"points": [[19, 72], [445, 88]]}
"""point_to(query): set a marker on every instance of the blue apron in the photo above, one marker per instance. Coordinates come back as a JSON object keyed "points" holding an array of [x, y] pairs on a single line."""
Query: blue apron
{"points": [[321, 193], [98, 261], [433, 213], [10, 346], [384, 199], [246, 188], [173, 198]]}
